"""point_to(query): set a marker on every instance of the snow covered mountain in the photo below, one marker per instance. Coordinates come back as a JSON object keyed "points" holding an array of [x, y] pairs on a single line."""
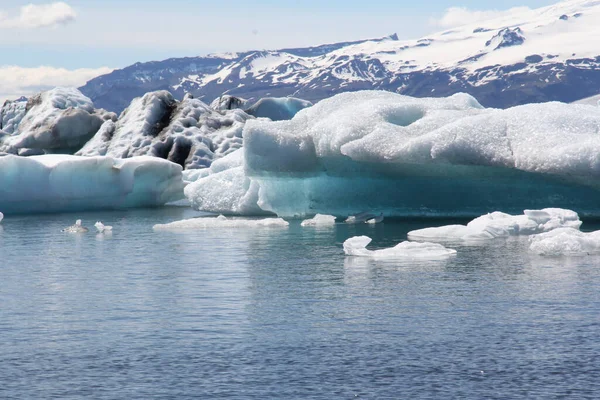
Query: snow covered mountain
{"points": [[538, 55]]}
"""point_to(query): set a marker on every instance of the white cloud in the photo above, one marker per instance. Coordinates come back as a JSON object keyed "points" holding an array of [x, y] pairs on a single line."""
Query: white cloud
{"points": [[457, 16], [18, 81], [39, 16]]}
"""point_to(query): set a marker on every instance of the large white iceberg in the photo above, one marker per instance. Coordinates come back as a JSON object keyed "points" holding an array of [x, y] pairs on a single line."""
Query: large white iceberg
{"points": [[57, 183], [57, 121], [498, 225], [221, 222], [188, 133], [401, 156], [566, 242], [357, 246]]}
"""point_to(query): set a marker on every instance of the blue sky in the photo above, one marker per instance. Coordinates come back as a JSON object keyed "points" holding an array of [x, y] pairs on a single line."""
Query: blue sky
{"points": [[92, 34]]}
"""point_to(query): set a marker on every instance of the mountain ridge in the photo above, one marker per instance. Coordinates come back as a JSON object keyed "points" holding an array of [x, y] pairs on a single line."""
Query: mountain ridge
{"points": [[540, 55]]}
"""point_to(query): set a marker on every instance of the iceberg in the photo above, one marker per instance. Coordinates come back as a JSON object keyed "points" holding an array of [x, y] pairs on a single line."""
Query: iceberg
{"points": [[60, 120], [66, 183], [188, 133], [221, 222], [500, 225], [403, 156], [278, 109], [319, 220], [565, 242], [357, 246]]}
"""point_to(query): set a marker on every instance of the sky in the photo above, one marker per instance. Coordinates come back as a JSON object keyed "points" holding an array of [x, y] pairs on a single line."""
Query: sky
{"points": [[48, 43]]}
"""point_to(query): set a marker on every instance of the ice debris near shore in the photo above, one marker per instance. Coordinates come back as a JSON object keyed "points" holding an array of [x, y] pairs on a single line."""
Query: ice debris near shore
{"points": [[60, 120], [499, 225], [221, 222], [566, 242], [319, 220], [57, 183], [357, 246], [403, 156]]}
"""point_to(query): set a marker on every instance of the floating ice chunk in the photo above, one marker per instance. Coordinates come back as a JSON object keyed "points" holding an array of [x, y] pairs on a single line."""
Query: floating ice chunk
{"points": [[59, 183], [102, 228], [1, 217], [221, 222], [375, 220], [76, 228], [565, 242], [499, 225], [319, 220], [356, 246]]}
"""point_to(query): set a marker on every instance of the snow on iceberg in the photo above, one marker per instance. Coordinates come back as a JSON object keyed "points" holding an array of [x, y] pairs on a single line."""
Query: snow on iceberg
{"points": [[189, 133], [406, 156], [60, 183], [499, 225], [565, 242], [357, 246], [58, 120], [319, 220], [221, 222], [278, 109]]}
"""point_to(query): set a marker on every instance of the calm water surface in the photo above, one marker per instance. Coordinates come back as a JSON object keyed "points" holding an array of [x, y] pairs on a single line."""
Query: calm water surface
{"points": [[283, 314]]}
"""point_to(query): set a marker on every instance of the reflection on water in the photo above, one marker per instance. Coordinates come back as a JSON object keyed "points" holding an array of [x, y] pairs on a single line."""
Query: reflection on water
{"points": [[282, 313]]}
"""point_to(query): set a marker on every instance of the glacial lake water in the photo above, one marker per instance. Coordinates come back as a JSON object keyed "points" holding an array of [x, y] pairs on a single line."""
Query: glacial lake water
{"points": [[283, 314]]}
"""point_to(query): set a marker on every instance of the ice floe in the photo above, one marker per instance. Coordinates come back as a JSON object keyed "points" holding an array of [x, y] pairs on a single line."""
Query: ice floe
{"points": [[59, 183], [565, 242], [319, 220], [499, 225], [357, 246], [221, 222], [101, 228]]}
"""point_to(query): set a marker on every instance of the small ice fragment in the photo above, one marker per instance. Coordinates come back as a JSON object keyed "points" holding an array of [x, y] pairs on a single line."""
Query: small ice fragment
{"points": [[1, 217], [319, 220], [356, 246], [375, 220], [102, 228], [221, 222], [76, 228]]}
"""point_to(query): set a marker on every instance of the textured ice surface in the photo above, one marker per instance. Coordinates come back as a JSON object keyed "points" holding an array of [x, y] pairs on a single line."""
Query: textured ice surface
{"points": [[498, 225], [398, 155], [319, 220], [221, 222], [11, 114], [228, 102], [565, 242], [188, 133], [357, 246], [59, 120], [278, 109], [57, 183]]}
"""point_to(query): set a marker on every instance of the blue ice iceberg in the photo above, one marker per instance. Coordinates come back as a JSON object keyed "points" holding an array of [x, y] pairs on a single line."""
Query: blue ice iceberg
{"points": [[57, 183], [403, 156]]}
